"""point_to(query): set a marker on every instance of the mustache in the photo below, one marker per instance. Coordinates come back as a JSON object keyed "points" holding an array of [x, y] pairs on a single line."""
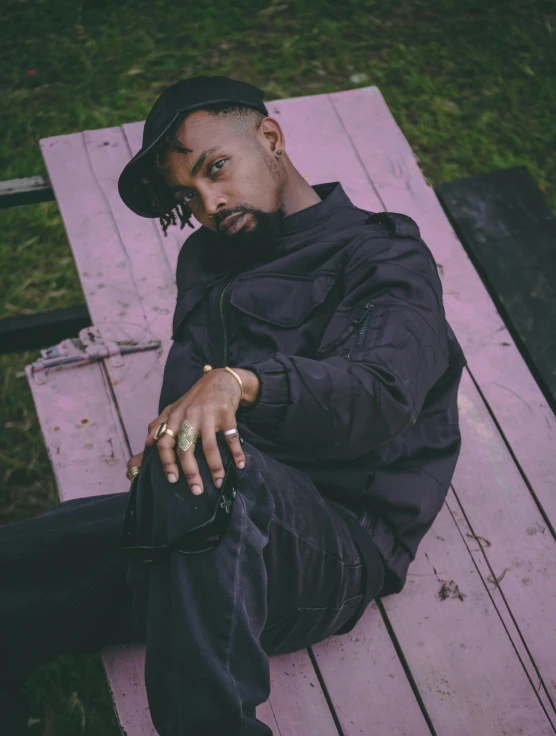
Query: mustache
{"points": [[223, 215]]}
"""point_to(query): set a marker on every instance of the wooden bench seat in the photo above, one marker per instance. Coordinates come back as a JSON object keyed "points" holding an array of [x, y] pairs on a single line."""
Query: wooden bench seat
{"points": [[509, 232], [469, 646]]}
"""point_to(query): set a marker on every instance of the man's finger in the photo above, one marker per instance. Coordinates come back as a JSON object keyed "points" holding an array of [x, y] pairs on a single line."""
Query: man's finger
{"points": [[135, 461], [212, 454], [165, 447], [233, 441], [154, 425], [191, 469]]}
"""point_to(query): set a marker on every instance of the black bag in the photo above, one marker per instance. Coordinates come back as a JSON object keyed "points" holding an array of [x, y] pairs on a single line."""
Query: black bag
{"points": [[163, 517]]}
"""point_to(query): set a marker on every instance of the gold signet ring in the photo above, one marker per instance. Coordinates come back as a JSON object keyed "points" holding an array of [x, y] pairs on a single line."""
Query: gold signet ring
{"points": [[160, 431]]}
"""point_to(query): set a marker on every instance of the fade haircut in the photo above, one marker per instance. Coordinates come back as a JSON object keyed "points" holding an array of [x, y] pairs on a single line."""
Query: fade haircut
{"points": [[246, 119]]}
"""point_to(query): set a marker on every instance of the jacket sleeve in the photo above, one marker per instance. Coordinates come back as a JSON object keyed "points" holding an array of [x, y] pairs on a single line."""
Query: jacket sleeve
{"points": [[383, 350]]}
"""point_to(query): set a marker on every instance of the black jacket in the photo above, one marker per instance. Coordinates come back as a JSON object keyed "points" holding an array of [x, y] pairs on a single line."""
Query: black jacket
{"points": [[343, 323]]}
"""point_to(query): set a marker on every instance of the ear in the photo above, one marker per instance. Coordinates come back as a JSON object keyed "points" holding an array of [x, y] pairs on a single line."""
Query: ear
{"points": [[272, 132]]}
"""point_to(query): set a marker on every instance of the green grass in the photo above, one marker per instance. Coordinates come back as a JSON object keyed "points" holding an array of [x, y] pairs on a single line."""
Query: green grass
{"points": [[472, 85]]}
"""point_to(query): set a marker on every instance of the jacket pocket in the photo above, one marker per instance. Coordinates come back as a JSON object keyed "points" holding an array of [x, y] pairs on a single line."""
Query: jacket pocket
{"points": [[283, 300], [345, 332], [184, 306]]}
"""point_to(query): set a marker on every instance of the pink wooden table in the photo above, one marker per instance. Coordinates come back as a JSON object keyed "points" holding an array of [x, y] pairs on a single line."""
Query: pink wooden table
{"points": [[483, 662]]}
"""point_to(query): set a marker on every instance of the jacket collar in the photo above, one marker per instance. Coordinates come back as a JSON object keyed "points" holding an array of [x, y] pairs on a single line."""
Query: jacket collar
{"points": [[332, 198]]}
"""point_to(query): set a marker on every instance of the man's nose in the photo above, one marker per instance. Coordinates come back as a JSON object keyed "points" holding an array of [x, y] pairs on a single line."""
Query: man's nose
{"points": [[214, 205]]}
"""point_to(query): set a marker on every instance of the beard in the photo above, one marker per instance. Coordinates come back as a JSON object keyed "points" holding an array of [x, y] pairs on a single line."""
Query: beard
{"points": [[258, 238]]}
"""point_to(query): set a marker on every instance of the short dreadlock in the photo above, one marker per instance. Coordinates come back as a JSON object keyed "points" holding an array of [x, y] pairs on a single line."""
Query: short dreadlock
{"points": [[246, 117]]}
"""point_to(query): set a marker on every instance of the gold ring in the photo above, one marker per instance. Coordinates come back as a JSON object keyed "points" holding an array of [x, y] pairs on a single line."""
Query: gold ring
{"points": [[187, 436], [133, 471], [170, 432], [160, 431]]}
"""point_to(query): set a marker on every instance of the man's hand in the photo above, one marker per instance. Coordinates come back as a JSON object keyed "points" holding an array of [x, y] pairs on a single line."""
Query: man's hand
{"points": [[209, 406]]}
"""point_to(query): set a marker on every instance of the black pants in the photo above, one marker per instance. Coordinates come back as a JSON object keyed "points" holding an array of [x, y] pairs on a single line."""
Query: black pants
{"points": [[286, 575]]}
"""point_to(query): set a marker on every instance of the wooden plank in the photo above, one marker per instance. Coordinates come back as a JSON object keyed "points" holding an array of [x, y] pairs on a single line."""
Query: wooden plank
{"points": [[329, 156], [509, 232], [296, 700], [174, 239], [296, 693], [88, 452], [109, 279], [511, 537], [155, 284], [460, 656], [499, 595], [462, 659], [125, 670], [366, 681], [341, 683], [95, 161], [34, 331], [109, 153], [487, 482], [31, 190], [80, 428], [527, 422]]}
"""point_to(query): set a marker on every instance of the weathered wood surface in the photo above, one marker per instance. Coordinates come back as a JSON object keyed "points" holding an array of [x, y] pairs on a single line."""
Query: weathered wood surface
{"points": [[527, 423], [312, 157], [484, 658], [509, 231], [88, 451], [130, 292], [469, 626]]}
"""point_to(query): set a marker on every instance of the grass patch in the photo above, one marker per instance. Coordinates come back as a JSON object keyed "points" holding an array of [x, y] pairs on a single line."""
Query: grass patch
{"points": [[472, 85]]}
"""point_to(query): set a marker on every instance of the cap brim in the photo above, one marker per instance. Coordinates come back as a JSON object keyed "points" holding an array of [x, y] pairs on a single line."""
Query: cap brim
{"points": [[137, 194]]}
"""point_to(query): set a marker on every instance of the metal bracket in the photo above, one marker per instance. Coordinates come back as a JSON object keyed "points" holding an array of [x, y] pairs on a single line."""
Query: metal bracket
{"points": [[89, 347]]}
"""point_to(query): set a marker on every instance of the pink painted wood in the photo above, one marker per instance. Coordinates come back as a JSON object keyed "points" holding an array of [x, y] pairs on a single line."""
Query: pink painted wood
{"points": [[494, 361], [499, 509], [81, 431], [175, 238], [125, 668], [106, 273], [313, 159], [108, 161], [88, 451], [316, 113], [360, 691], [487, 481], [440, 641], [96, 160], [154, 280], [463, 662]]}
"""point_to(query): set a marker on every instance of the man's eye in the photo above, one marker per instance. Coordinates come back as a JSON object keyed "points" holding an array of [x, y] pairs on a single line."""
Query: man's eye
{"points": [[215, 164]]}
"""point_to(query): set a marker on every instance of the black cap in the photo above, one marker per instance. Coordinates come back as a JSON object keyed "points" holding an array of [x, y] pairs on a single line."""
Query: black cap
{"points": [[137, 184]]}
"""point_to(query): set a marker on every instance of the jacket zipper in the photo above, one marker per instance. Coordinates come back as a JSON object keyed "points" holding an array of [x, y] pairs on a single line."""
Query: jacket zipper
{"points": [[223, 320], [362, 322]]}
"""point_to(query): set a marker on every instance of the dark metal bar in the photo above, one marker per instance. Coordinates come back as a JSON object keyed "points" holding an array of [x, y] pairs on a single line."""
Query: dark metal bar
{"points": [[25, 191], [509, 233], [36, 331]]}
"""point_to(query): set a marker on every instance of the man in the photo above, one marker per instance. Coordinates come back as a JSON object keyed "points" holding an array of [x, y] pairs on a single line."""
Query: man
{"points": [[311, 351]]}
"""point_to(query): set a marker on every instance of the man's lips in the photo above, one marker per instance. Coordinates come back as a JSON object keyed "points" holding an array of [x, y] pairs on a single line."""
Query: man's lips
{"points": [[232, 223]]}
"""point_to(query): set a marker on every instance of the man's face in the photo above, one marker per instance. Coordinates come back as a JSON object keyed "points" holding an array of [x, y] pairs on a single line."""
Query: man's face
{"points": [[227, 173]]}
